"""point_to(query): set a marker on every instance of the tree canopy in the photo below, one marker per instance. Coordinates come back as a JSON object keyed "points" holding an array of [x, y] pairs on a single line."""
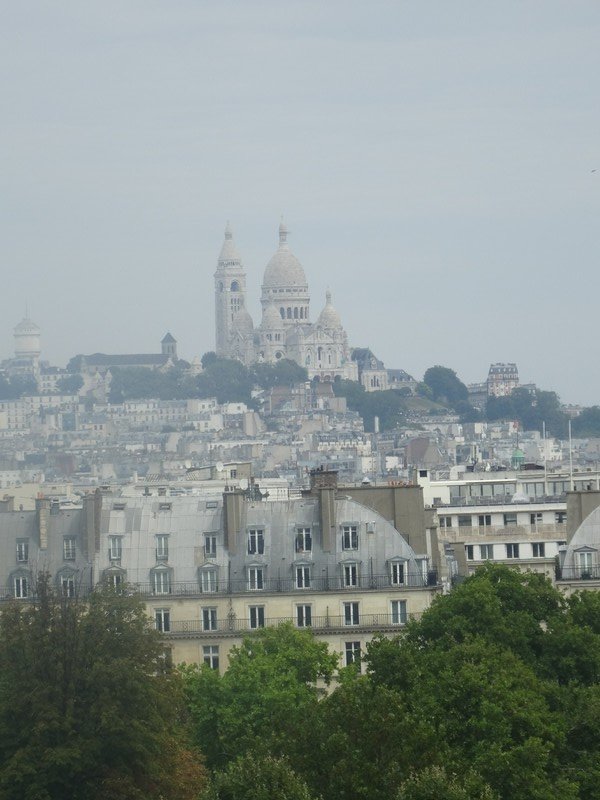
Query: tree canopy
{"points": [[89, 707]]}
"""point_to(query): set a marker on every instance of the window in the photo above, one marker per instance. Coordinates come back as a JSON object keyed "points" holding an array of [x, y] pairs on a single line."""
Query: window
{"points": [[399, 616], [486, 552], [162, 546], [302, 577], [539, 549], [210, 654], [470, 552], [464, 520], [351, 615], [350, 537], [350, 575], [585, 564], [209, 619], [484, 520], [352, 653], [303, 540], [256, 542], [208, 580], [67, 585], [21, 587], [69, 545], [560, 517], [536, 518], [304, 616], [510, 519], [23, 551], [162, 619], [397, 573], [257, 616], [115, 548], [445, 522], [255, 578], [115, 580], [512, 550], [210, 546], [161, 582]]}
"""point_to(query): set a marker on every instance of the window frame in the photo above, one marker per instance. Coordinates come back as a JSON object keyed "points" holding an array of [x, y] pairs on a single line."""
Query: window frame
{"points": [[350, 537], [256, 617], [162, 619]]}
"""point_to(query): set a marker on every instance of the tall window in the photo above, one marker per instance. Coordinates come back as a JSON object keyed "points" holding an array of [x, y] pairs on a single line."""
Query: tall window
{"points": [[210, 655], [350, 575], [470, 551], [257, 616], [304, 616], [115, 580], [302, 577], [303, 540], [161, 582], [210, 546], [69, 548], [208, 580], [486, 552], [512, 551], [352, 650], [256, 542], [485, 520], [67, 585], [209, 619], [21, 587], [399, 616], [350, 537], [162, 546], [539, 549], [115, 548], [585, 563], [255, 578], [23, 551], [351, 614], [162, 619], [397, 573]]}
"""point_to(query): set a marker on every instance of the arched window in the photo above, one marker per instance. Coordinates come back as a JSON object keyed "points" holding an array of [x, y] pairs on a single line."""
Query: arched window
{"points": [[319, 353], [296, 312], [221, 287], [308, 359], [289, 313], [235, 286], [282, 312]]}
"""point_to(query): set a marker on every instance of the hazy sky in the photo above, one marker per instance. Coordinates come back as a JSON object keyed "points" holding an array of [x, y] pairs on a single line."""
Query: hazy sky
{"points": [[434, 162]]}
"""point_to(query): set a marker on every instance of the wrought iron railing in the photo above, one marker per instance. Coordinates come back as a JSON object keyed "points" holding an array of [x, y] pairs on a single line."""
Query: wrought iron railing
{"points": [[578, 573]]}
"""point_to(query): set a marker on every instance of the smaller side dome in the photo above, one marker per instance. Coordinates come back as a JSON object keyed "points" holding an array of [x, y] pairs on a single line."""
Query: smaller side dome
{"points": [[329, 317], [242, 322], [271, 318]]}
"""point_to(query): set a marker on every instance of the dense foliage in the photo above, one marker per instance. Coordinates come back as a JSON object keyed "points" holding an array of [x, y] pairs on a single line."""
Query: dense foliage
{"points": [[531, 409], [17, 386], [388, 406], [493, 694], [89, 708]]}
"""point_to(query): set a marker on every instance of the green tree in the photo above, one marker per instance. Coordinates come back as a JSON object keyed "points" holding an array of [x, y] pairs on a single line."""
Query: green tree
{"points": [[70, 384], [265, 700], [284, 372], [446, 387], [256, 777], [587, 423], [89, 708], [434, 783]]}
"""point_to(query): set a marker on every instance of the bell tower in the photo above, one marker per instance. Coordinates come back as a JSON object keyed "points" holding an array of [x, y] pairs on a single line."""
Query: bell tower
{"points": [[230, 293]]}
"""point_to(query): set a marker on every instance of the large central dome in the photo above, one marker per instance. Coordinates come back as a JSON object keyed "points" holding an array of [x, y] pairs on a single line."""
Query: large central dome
{"points": [[284, 270]]}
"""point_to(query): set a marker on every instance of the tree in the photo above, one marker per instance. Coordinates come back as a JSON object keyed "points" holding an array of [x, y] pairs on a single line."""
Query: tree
{"points": [[70, 384], [587, 423], [265, 699], [252, 777], [284, 372], [434, 783], [446, 387], [89, 707]]}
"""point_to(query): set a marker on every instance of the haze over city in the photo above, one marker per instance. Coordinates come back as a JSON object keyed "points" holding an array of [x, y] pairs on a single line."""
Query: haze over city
{"points": [[436, 163]]}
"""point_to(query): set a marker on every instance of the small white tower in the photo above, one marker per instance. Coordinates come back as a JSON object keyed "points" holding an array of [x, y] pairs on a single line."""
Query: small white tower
{"points": [[230, 295], [27, 340]]}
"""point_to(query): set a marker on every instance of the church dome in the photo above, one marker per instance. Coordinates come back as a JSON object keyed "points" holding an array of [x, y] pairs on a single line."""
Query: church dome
{"points": [[329, 317], [284, 269], [27, 328], [242, 322], [271, 318]]}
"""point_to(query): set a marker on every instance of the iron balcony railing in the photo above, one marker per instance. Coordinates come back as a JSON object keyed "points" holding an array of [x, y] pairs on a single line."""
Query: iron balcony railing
{"points": [[321, 583], [578, 573], [232, 625]]}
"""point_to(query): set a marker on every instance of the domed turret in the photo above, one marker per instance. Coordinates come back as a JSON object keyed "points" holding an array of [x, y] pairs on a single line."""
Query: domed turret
{"points": [[285, 285], [27, 339], [329, 317], [229, 255]]}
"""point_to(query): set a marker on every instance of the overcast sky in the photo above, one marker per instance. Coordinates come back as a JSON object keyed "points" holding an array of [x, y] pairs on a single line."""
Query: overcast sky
{"points": [[434, 161]]}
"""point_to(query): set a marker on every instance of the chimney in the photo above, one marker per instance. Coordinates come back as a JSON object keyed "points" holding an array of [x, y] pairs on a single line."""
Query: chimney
{"points": [[42, 506], [323, 482]]}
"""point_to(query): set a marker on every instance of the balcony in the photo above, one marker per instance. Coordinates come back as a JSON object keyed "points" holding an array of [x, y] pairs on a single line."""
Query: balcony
{"points": [[193, 628], [321, 583], [578, 573]]}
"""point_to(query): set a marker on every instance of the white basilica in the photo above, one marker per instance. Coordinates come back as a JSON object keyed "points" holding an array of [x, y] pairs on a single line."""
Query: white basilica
{"points": [[285, 330]]}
